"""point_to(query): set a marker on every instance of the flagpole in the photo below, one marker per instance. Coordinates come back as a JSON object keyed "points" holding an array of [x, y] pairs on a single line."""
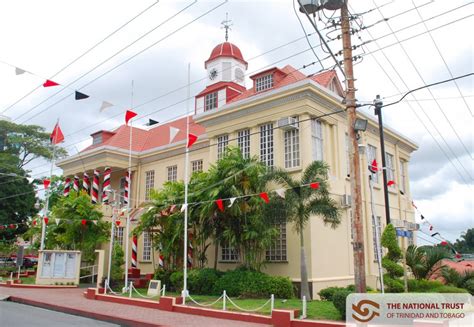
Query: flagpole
{"points": [[48, 191], [186, 182], [127, 227]]}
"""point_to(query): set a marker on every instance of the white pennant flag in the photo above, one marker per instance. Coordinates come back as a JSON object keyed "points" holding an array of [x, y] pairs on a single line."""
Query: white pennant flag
{"points": [[57, 221], [232, 200], [281, 192], [184, 207], [105, 105], [19, 71], [173, 132], [149, 209], [95, 222]]}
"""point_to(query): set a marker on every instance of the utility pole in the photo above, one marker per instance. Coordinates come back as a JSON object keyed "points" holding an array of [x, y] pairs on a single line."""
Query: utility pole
{"points": [[358, 242], [378, 112]]}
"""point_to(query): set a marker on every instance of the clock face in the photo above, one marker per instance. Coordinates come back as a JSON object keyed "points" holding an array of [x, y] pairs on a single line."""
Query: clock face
{"points": [[239, 75], [213, 74]]}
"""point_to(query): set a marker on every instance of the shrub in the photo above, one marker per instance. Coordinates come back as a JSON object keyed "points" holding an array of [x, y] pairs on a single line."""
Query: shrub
{"points": [[202, 281], [339, 301], [393, 285], [164, 277], [176, 279], [327, 294], [449, 289], [423, 285]]}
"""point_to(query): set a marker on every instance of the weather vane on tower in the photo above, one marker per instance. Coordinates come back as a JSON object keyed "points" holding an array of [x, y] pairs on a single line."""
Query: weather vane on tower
{"points": [[226, 24]]}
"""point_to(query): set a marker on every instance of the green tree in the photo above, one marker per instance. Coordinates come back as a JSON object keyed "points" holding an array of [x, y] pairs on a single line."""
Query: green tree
{"points": [[425, 261], [390, 262], [466, 243], [462, 280], [303, 202]]}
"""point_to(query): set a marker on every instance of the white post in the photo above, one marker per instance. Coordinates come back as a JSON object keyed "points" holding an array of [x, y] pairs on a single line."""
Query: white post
{"points": [[127, 227], [93, 273], [186, 182], [303, 315], [48, 194], [224, 295], [106, 284], [377, 236], [164, 290], [130, 289], [272, 302], [112, 232]]}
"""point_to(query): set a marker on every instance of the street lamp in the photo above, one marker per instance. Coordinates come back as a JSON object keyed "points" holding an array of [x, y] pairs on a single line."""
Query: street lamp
{"points": [[312, 6], [360, 125]]}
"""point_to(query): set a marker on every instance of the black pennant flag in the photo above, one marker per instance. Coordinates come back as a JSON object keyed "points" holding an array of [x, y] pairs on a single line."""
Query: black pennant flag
{"points": [[434, 234], [297, 190], [152, 122], [422, 217], [80, 96]]}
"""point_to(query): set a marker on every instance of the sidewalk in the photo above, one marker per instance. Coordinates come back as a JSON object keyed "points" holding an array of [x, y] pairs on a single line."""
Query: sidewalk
{"points": [[72, 301]]}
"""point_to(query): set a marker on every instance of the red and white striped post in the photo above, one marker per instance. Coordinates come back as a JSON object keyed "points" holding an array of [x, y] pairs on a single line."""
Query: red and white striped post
{"points": [[75, 186], [106, 185], [134, 251], [86, 182], [95, 187], [67, 186]]}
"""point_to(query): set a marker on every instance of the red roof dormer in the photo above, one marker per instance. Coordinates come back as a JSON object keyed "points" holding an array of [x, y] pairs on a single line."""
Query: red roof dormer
{"points": [[102, 136], [267, 79]]}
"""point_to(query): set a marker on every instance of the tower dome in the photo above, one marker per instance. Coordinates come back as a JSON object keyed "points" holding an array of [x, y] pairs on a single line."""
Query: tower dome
{"points": [[226, 50]]}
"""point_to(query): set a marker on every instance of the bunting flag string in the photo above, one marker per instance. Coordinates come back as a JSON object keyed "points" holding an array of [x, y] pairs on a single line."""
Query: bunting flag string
{"points": [[36, 222]]}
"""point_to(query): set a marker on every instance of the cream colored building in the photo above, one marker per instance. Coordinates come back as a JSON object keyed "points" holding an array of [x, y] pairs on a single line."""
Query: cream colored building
{"points": [[285, 118]]}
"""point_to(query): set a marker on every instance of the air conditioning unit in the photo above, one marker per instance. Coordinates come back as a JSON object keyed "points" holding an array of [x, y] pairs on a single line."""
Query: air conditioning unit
{"points": [[346, 200], [288, 123]]}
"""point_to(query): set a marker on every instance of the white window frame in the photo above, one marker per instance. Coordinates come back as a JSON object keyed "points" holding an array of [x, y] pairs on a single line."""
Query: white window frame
{"points": [[292, 147], [118, 235], [264, 83], [374, 243], [222, 144], [210, 101], [277, 252], [229, 253], [266, 144], [390, 167], [243, 141], [371, 155], [403, 176], [149, 183], [97, 139], [172, 173], [196, 165], [146, 253], [317, 139]]}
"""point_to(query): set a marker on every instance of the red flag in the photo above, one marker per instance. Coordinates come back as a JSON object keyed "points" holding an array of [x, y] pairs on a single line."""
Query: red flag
{"points": [[373, 166], [57, 135], [117, 222], [191, 139], [34, 222], [12, 226], [49, 83], [431, 227], [129, 115], [83, 222], [458, 256], [264, 196], [314, 185], [46, 183], [220, 204], [390, 183], [46, 219], [444, 243]]}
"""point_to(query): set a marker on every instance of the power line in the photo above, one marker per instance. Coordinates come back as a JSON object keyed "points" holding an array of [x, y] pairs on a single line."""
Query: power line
{"points": [[84, 53]]}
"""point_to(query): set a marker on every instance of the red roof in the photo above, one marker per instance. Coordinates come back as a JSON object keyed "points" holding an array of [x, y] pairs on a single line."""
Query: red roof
{"points": [[226, 49], [148, 139]]}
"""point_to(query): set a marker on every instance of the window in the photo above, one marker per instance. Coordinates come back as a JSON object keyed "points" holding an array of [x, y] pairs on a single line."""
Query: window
{"points": [[292, 148], [149, 183], [379, 229], [410, 238], [146, 256], [390, 167], [119, 235], [403, 177], [371, 156], [172, 173], [266, 144], [243, 141], [348, 155], [317, 139], [97, 139], [222, 143], [277, 251], [264, 83], [210, 101], [196, 165], [229, 253]]}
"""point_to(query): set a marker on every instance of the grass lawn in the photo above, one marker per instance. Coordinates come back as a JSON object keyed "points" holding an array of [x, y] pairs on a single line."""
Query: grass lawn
{"points": [[28, 280], [315, 309]]}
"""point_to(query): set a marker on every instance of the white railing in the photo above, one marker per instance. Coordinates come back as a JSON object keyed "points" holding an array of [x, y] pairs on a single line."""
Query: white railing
{"points": [[94, 269], [224, 297]]}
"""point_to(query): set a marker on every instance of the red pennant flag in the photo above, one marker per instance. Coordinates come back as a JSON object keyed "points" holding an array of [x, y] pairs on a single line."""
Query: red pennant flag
{"points": [[264, 196], [444, 243], [46, 183], [390, 183], [314, 185], [34, 222], [12, 226], [373, 166], [117, 222], [57, 135], [191, 139], [2, 227], [458, 256], [431, 228], [220, 204], [129, 115], [46, 219], [49, 83], [83, 222]]}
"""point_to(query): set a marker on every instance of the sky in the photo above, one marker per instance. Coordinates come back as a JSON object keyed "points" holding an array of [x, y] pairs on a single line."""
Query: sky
{"points": [[422, 42]]}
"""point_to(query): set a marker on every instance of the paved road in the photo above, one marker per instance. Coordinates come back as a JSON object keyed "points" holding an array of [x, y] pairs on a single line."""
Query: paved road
{"points": [[74, 299], [20, 315]]}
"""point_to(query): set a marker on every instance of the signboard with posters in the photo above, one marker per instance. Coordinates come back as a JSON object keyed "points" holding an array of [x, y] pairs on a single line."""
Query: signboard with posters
{"points": [[58, 267]]}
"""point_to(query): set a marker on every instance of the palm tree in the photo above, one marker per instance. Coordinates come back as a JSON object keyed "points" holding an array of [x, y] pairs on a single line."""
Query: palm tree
{"points": [[304, 202], [425, 261], [462, 280]]}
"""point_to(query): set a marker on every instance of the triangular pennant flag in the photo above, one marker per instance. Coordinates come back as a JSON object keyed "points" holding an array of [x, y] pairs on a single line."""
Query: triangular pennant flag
{"points": [[281, 192], [444, 243], [434, 234], [95, 222], [314, 186], [57, 135], [129, 115], [49, 83], [83, 222], [57, 221], [413, 204], [422, 217], [264, 196], [46, 220], [191, 139], [117, 222], [34, 222], [431, 228], [183, 207], [105, 105], [390, 183], [232, 200], [402, 193], [173, 132], [297, 190], [19, 71], [458, 256], [80, 96], [12, 226], [373, 166], [220, 204], [46, 183]]}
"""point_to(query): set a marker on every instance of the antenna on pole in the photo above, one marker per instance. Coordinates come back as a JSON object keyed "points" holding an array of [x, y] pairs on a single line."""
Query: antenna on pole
{"points": [[226, 24]]}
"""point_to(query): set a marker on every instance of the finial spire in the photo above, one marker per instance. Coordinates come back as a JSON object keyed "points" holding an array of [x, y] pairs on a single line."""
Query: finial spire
{"points": [[226, 24]]}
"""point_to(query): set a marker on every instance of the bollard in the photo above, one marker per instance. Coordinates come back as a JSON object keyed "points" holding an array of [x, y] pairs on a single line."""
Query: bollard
{"points": [[224, 301], [130, 290], [164, 290], [272, 302], [106, 284], [303, 314]]}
